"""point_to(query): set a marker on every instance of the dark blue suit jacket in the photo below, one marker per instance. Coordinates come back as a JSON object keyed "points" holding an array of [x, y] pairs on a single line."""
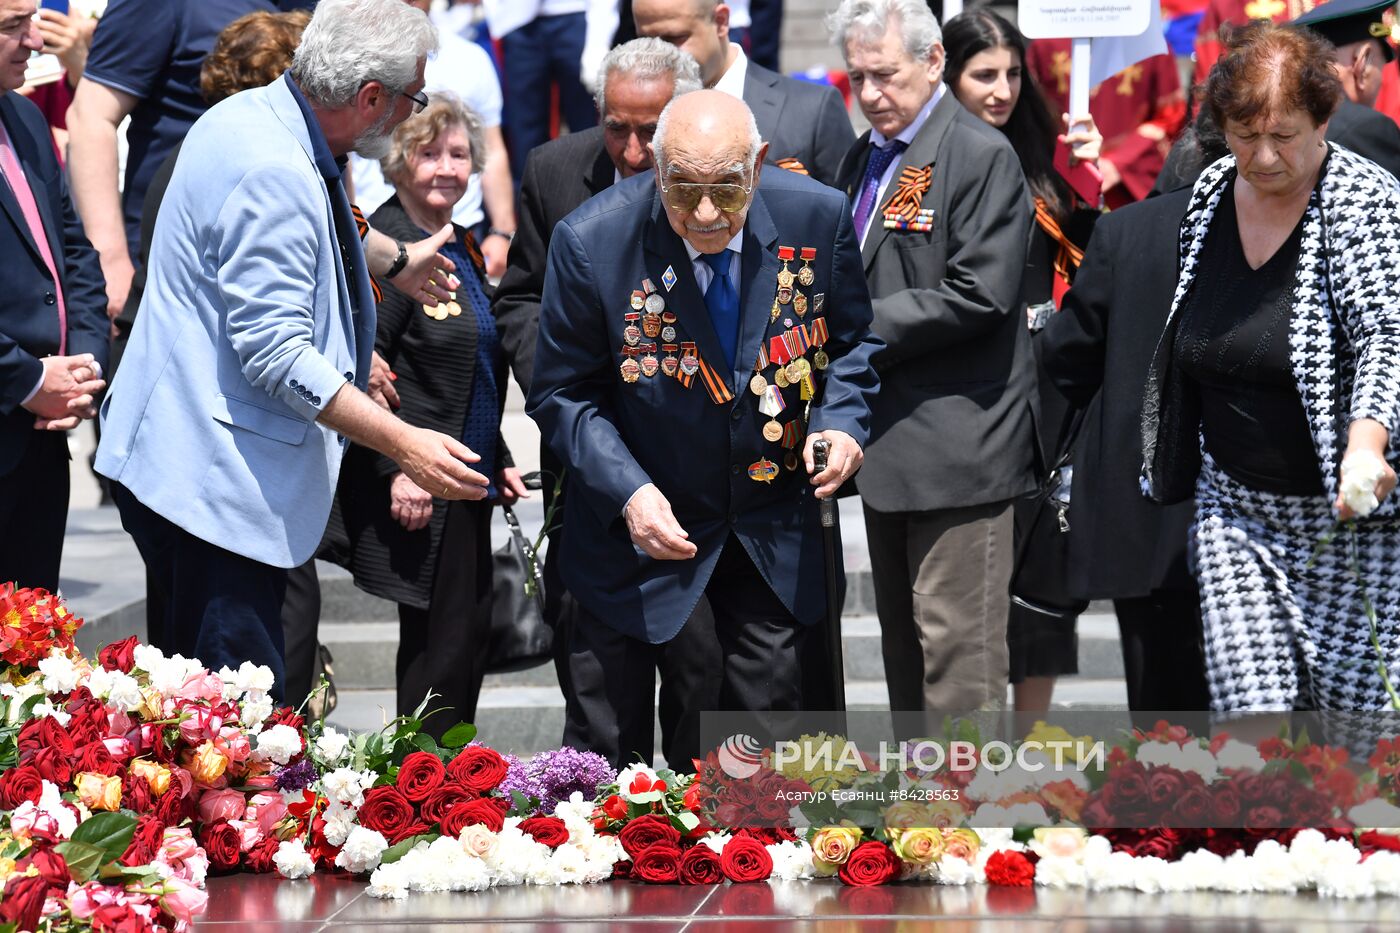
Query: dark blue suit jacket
{"points": [[28, 308], [615, 437]]}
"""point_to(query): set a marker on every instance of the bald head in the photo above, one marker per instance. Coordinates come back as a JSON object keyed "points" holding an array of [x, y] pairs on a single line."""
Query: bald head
{"points": [[706, 139]]}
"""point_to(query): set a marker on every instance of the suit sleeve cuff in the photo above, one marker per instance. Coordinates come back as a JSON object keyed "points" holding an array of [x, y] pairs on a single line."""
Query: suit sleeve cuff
{"points": [[311, 383], [37, 386]]}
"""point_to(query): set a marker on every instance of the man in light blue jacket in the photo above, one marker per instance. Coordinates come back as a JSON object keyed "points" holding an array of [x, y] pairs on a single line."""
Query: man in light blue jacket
{"points": [[246, 370]]}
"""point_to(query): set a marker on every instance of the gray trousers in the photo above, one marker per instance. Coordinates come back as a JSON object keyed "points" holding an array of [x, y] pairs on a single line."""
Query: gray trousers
{"points": [[941, 592]]}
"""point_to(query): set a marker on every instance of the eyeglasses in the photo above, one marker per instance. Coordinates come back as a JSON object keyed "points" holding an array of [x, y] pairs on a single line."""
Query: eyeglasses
{"points": [[420, 100], [686, 196]]}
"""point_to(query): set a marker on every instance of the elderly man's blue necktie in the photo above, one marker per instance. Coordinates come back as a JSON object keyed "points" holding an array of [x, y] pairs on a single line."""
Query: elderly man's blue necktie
{"points": [[723, 302]]}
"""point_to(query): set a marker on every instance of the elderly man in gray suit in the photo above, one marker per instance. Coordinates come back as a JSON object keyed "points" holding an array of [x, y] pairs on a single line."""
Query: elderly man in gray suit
{"points": [[944, 217], [805, 125]]}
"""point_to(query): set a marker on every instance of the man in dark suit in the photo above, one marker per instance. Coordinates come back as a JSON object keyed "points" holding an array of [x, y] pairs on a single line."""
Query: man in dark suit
{"points": [[636, 80], [945, 218], [678, 345], [805, 125], [1357, 30], [1123, 547], [53, 322]]}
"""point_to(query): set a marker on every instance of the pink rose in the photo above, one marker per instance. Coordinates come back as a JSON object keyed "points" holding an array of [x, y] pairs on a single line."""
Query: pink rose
{"points": [[221, 805], [120, 749], [249, 834], [266, 781], [200, 725], [182, 900], [178, 844], [205, 685], [267, 808], [234, 742], [119, 723]]}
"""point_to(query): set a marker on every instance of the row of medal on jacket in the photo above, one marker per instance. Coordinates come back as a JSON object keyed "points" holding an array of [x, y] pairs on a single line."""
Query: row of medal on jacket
{"points": [[648, 318]]}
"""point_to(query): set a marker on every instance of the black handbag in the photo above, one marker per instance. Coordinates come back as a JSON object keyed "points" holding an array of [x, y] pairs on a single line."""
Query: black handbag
{"points": [[1040, 575], [520, 639]]}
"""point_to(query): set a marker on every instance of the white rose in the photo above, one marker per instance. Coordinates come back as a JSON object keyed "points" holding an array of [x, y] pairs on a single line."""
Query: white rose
{"points": [[292, 860], [476, 840], [1361, 471]]}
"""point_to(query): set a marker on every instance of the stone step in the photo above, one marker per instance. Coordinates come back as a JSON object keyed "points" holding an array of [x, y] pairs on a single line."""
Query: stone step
{"points": [[364, 653]]}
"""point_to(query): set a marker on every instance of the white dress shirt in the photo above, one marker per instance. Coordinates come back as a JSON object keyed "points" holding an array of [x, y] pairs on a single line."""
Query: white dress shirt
{"points": [[905, 136], [704, 275], [732, 81]]}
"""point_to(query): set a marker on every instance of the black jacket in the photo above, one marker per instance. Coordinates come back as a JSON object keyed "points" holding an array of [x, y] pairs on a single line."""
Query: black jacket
{"points": [[29, 307], [1097, 350], [1366, 132], [435, 362]]}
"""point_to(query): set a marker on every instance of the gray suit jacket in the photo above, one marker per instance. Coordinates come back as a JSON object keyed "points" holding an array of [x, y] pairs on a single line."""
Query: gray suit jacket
{"points": [[953, 423], [799, 120]]}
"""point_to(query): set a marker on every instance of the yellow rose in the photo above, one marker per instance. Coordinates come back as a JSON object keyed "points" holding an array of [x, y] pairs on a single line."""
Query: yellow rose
{"points": [[832, 845], [153, 773], [152, 707], [97, 791], [920, 846], [962, 843], [207, 763]]}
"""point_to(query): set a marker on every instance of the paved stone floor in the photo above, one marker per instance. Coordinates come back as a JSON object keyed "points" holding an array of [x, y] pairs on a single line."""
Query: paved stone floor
{"points": [[268, 905]]}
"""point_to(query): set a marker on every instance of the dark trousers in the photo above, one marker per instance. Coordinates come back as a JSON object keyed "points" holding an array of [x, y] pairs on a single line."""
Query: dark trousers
{"points": [[613, 677], [220, 607], [689, 664], [1163, 658], [544, 51], [34, 512], [443, 648], [301, 618]]}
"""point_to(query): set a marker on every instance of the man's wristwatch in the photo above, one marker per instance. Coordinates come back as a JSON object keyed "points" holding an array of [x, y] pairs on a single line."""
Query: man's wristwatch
{"points": [[400, 261], [492, 231]]}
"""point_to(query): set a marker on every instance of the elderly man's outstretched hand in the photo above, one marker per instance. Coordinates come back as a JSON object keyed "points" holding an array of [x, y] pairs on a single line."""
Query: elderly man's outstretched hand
{"points": [[653, 528], [437, 464]]}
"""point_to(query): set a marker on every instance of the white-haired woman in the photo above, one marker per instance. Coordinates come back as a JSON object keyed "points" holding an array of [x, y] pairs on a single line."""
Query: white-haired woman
{"points": [[430, 556]]}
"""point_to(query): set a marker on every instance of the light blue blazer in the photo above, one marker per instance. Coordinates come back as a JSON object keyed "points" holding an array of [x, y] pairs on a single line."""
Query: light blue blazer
{"points": [[246, 331]]}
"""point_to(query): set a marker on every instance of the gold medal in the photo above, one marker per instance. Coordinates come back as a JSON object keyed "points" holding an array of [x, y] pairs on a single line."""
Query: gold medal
{"points": [[763, 471], [453, 308], [804, 367], [806, 276], [772, 431], [631, 370], [440, 312], [799, 304], [821, 360], [784, 294], [650, 365], [632, 334], [780, 378], [794, 372], [786, 278], [758, 385], [670, 366], [651, 325], [637, 301]]}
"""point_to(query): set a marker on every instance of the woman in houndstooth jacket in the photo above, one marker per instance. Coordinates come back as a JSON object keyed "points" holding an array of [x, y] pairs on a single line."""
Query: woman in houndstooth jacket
{"points": [[1281, 360]]}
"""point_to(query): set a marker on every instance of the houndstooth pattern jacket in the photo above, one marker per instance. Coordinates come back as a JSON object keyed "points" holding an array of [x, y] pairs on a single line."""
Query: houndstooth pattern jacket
{"points": [[1344, 336]]}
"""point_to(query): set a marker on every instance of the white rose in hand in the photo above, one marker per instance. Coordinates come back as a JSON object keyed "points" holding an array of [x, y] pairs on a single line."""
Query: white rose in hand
{"points": [[1361, 471]]}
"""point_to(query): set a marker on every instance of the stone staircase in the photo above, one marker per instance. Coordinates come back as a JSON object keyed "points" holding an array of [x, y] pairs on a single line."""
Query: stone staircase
{"points": [[523, 712]]}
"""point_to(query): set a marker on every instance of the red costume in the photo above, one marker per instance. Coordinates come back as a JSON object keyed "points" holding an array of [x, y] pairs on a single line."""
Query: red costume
{"points": [[1238, 12]]}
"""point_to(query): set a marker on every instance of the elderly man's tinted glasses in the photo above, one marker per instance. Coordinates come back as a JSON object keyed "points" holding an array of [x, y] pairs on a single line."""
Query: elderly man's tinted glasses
{"points": [[420, 100], [685, 196]]}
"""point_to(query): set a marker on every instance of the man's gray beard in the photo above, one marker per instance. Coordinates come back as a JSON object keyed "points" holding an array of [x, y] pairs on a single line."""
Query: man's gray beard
{"points": [[374, 143]]}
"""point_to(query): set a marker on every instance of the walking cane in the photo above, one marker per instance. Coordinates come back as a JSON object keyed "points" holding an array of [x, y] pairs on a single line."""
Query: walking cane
{"points": [[820, 450]]}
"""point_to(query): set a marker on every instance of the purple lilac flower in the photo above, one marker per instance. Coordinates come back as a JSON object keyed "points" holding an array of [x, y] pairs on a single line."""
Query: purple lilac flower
{"points": [[298, 777], [554, 776]]}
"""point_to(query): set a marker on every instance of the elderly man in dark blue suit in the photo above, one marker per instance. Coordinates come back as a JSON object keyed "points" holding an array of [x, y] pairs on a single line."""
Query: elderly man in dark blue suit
{"points": [[699, 331], [53, 325]]}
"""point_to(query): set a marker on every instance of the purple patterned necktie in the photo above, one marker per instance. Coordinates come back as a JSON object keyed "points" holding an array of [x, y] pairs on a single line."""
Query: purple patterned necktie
{"points": [[880, 159]]}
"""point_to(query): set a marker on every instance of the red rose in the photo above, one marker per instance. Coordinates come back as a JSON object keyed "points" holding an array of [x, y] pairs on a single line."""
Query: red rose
{"points": [[174, 808], [622, 869], [54, 736], [1252, 788], [691, 798], [119, 655], [1308, 808], [286, 716], [745, 859], [870, 863], [658, 864], [119, 918], [470, 813], [145, 841], [645, 832], [386, 811], [1164, 844], [420, 774], [18, 785], [443, 799], [220, 842], [1263, 817], [24, 901], [136, 793], [547, 830], [53, 767], [1225, 801], [52, 868], [1165, 786], [1379, 840], [479, 768], [770, 835], [1194, 808], [616, 808], [773, 809], [1010, 869], [94, 757], [412, 829], [701, 865], [259, 857]]}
